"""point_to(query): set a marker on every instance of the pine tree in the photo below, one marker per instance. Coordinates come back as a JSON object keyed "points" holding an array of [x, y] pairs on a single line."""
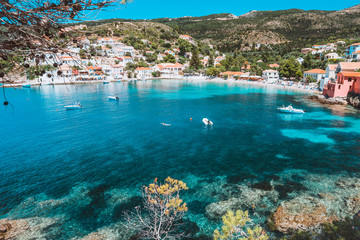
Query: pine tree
{"points": [[211, 61], [195, 61]]}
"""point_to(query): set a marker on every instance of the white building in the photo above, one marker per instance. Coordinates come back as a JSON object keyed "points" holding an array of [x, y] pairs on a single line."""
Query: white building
{"points": [[300, 60], [332, 56], [143, 72], [356, 55], [113, 71], [105, 41], [329, 75], [317, 74], [169, 69], [125, 59], [270, 75], [187, 38]]}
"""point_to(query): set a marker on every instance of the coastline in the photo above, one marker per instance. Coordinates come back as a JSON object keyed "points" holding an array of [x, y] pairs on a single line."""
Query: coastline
{"points": [[192, 79]]}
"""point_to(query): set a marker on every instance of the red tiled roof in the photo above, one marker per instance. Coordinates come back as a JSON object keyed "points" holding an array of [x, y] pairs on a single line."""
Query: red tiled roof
{"points": [[318, 71], [350, 74], [142, 68], [230, 73], [274, 65]]}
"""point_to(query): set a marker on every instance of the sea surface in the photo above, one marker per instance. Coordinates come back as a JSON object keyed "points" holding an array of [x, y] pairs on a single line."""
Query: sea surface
{"points": [[80, 170]]}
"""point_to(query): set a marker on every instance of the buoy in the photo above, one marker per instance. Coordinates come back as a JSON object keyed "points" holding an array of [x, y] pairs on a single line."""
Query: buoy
{"points": [[190, 119]]}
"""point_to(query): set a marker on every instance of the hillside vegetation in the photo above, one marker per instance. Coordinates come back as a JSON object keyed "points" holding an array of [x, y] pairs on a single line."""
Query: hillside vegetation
{"points": [[270, 27]]}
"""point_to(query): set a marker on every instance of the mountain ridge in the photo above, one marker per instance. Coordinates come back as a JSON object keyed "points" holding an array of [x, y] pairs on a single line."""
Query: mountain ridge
{"points": [[291, 26]]}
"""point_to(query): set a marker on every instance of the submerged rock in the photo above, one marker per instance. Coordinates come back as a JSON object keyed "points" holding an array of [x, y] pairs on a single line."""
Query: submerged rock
{"points": [[95, 236], [216, 210], [264, 185], [12, 229], [29, 228], [353, 204], [300, 214], [234, 179], [353, 99]]}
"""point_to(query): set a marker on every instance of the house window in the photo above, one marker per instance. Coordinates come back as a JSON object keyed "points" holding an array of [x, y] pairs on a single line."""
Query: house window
{"points": [[350, 87], [339, 86], [349, 79]]}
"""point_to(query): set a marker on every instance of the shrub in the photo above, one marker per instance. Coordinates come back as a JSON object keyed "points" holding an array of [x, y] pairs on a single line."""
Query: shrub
{"points": [[238, 226], [164, 209]]}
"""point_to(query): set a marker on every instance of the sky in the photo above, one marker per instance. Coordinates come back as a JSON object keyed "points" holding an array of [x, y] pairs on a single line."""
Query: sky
{"points": [[149, 9]]}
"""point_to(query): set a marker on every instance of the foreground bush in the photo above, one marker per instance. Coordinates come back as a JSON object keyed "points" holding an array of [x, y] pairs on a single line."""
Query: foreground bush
{"points": [[162, 210], [239, 226]]}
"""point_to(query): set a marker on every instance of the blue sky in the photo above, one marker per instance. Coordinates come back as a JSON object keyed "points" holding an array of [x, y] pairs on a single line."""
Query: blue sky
{"points": [[147, 9]]}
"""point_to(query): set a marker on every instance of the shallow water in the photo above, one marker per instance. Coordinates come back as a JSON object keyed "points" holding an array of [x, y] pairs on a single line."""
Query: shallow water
{"points": [[85, 167]]}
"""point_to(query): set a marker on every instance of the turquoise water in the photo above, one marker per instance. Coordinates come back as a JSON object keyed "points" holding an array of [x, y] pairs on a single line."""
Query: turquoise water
{"points": [[83, 168]]}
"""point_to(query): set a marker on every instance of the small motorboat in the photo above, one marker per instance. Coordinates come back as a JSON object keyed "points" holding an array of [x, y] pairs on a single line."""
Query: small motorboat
{"points": [[26, 85], [106, 82], [77, 105], [113, 98], [207, 121], [290, 109], [165, 124]]}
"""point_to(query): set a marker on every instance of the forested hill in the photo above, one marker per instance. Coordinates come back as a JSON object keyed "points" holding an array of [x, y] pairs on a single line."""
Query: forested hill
{"points": [[270, 27], [297, 28]]}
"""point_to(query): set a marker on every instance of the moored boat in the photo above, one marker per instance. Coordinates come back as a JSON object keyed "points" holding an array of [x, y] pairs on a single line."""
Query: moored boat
{"points": [[26, 85], [113, 97], [290, 109], [77, 105], [207, 121]]}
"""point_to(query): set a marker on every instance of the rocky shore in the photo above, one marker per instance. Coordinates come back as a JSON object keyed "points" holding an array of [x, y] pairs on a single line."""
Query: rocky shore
{"points": [[354, 100], [329, 101], [25, 229]]}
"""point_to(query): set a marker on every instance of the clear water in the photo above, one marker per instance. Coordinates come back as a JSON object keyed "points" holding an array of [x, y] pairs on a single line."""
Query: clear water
{"points": [[84, 168]]}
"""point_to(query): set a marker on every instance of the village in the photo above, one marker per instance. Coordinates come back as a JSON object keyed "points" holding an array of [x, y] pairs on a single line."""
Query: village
{"points": [[115, 61]]}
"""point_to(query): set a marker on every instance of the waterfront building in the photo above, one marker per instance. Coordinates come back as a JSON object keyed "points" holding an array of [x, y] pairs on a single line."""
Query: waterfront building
{"points": [[143, 72], [270, 75], [118, 71], [346, 82], [330, 75], [317, 74], [169, 69], [236, 75]]}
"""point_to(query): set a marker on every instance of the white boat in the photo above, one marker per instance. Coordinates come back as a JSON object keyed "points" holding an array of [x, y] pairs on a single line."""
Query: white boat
{"points": [[26, 85], [290, 109], [207, 121], [113, 98], [77, 105]]}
